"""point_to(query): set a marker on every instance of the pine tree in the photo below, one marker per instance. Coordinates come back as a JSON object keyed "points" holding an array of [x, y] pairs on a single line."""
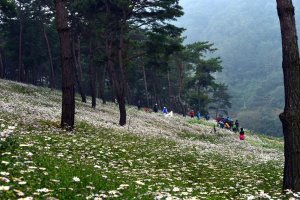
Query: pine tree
{"points": [[290, 117], [68, 98]]}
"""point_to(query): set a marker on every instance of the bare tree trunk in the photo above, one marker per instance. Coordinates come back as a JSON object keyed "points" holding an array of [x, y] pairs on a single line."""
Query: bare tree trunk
{"points": [[180, 68], [102, 75], [21, 66], [121, 93], [68, 92], [198, 95], [146, 86], [1, 66], [290, 118], [78, 71], [52, 82], [92, 72], [170, 93]]}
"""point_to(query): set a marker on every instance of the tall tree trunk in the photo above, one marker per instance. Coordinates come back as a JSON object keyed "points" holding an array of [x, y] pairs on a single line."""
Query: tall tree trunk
{"points": [[68, 92], [21, 77], [117, 78], [145, 82], [102, 75], [76, 60], [290, 118], [92, 73], [198, 95], [52, 82], [121, 93], [4, 64], [180, 67], [169, 90], [1, 65]]}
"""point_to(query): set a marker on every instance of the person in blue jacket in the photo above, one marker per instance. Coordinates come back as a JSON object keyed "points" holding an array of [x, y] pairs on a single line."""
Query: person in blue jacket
{"points": [[207, 117], [198, 115], [165, 110]]}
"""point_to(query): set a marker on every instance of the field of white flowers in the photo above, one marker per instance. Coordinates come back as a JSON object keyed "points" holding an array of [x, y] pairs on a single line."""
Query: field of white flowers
{"points": [[152, 157]]}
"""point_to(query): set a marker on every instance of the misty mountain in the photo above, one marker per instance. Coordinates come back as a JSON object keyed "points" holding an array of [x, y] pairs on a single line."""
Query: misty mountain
{"points": [[247, 34]]}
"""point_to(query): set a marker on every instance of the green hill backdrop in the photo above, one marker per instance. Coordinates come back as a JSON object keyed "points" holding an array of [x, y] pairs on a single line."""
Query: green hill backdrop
{"points": [[247, 34]]}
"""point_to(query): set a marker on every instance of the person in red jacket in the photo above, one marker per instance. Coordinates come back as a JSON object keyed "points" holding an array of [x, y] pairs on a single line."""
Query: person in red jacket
{"points": [[242, 134], [192, 114]]}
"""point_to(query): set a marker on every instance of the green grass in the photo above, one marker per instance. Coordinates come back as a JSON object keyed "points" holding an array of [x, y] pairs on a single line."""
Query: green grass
{"points": [[117, 164], [22, 89], [259, 140], [201, 137], [201, 121], [123, 158]]}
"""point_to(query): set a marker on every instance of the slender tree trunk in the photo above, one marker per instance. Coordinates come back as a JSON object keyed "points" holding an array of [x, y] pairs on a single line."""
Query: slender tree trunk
{"points": [[68, 91], [4, 64], [198, 95], [92, 72], [155, 93], [102, 75], [145, 82], [1, 66], [78, 71], [122, 108], [21, 66], [169, 89], [52, 86], [290, 118], [123, 85], [180, 67]]}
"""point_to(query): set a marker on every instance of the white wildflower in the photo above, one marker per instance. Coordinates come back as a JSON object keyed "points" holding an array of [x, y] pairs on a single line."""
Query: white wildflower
{"points": [[4, 179], [19, 193], [45, 190], [5, 162], [76, 179], [4, 188], [139, 183], [4, 173]]}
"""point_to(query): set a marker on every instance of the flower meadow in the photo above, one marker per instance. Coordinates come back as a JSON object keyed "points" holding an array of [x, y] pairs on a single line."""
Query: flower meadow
{"points": [[152, 157]]}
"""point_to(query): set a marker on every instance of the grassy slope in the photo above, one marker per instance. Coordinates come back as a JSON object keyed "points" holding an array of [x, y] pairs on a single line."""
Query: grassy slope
{"points": [[153, 157]]}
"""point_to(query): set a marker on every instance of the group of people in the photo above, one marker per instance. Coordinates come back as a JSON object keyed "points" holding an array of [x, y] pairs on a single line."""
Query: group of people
{"points": [[198, 115], [230, 125], [226, 123]]}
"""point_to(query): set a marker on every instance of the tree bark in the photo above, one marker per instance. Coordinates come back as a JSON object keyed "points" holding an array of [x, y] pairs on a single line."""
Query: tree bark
{"points": [[68, 92], [92, 73], [170, 92], [180, 67], [102, 75], [52, 82], [290, 117], [145, 82], [21, 77], [121, 91], [76, 60], [1, 66]]}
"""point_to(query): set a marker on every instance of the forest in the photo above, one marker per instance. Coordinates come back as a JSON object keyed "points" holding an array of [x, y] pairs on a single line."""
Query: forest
{"points": [[124, 51], [81, 83]]}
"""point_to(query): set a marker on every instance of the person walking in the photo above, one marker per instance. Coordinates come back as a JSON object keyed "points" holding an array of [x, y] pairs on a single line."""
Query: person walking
{"points": [[198, 115], [192, 114], [237, 124], [165, 111], [139, 104], [155, 108], [242, 134]]}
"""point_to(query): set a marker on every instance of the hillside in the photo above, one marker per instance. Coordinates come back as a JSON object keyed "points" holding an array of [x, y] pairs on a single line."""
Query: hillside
{"points": [[151, 158], [247, 34]]}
